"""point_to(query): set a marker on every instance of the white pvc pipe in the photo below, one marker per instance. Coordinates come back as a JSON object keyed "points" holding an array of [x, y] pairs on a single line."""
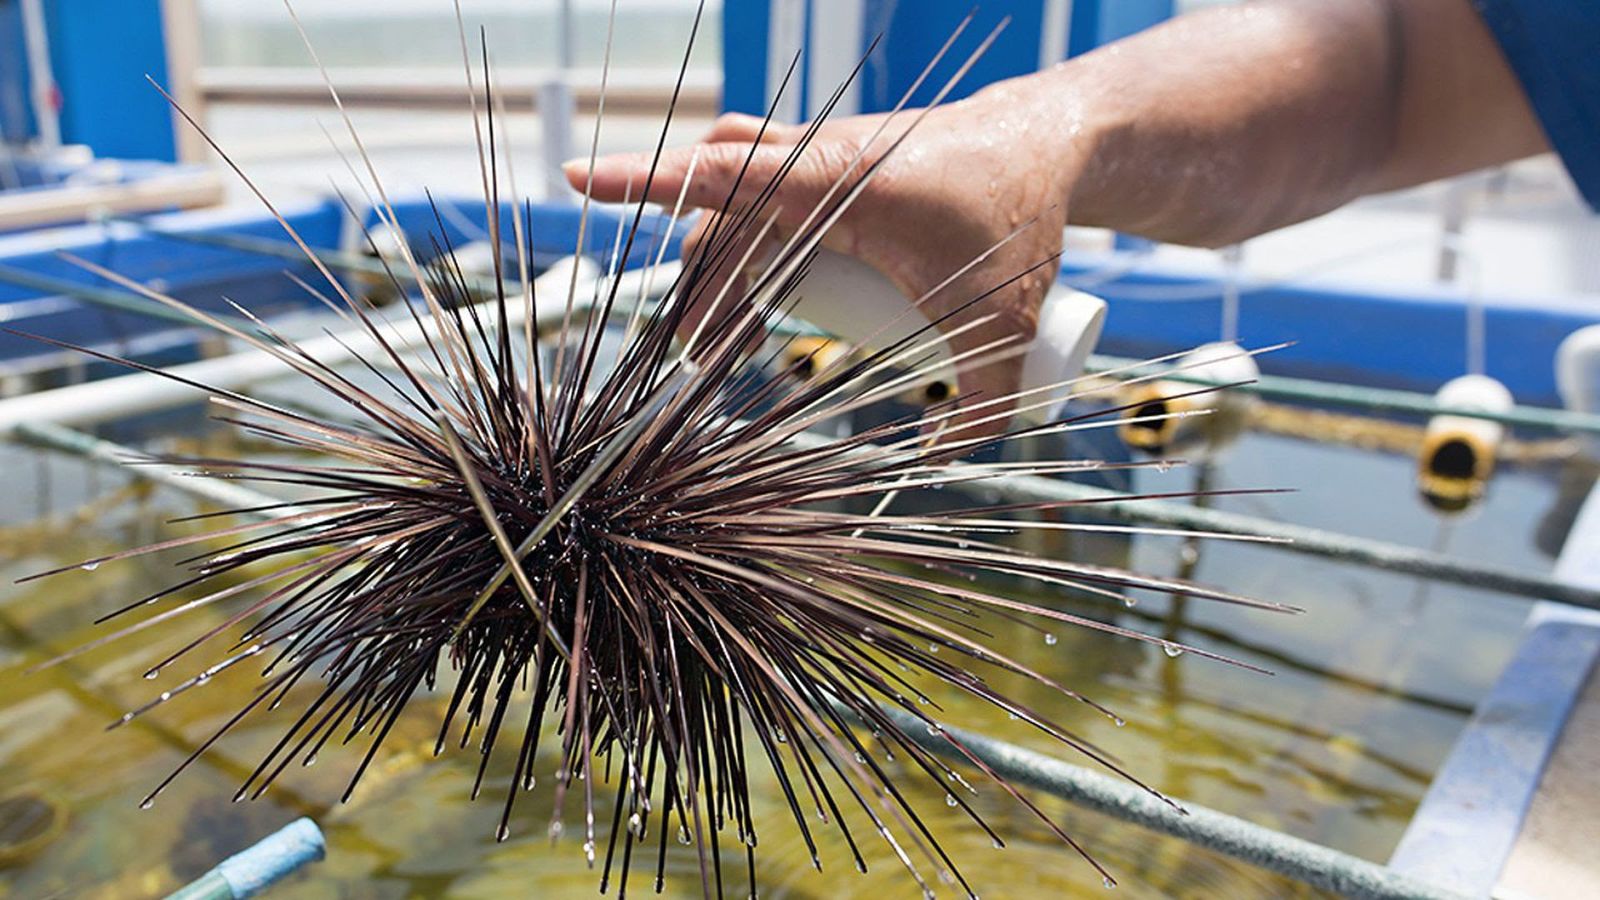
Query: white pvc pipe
{"points": [[845, 296], [1183, 432], [143, 392]]}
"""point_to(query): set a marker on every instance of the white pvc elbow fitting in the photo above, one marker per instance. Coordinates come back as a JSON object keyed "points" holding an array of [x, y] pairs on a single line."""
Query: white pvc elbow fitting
{"points": [[1458, 452], [1170, 416], [850, 298]]}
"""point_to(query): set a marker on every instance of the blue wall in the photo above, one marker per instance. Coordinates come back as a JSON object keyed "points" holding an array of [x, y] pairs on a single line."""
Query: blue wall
{"points": [[913, 31], [916, 30], [101, 51]]}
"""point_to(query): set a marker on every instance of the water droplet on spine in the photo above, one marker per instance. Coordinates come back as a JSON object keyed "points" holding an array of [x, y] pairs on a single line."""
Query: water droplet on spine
{"points": [[1171, 649], [950, 800], [152, 675], [683, 836], [1108, 882], [90, 566], [1050, 640], [147, 803]]}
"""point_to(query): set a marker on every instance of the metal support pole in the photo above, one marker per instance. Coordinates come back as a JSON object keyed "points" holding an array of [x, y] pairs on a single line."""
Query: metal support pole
{"points": [[109, 453], [1321, 867]]}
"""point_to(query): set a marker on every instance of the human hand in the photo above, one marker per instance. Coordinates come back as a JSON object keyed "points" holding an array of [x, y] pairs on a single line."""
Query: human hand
{"points": [[964, 183]]}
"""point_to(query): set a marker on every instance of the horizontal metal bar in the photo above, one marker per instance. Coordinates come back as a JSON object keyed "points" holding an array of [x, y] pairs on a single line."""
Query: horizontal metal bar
{"points": [[110, 298], [144, 466], [1296, 538], [1303, 539], [1371, 399], [1321, 867]]}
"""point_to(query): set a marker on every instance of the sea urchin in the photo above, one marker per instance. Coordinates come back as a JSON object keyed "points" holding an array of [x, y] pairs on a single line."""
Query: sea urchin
{"points": [[635, 542]]}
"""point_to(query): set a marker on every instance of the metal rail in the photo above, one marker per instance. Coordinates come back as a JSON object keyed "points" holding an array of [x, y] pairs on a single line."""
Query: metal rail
{"points": [[1314, 864], [110, 298], [1294, 538], [1371, 399]]}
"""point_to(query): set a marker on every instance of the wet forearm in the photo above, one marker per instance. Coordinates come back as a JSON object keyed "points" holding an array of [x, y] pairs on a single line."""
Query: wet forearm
{"points": [[1221, 125]]}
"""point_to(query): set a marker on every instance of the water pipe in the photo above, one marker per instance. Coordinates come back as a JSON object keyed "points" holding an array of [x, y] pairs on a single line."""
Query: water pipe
{"points": [[142, 392], [251, 871]]}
